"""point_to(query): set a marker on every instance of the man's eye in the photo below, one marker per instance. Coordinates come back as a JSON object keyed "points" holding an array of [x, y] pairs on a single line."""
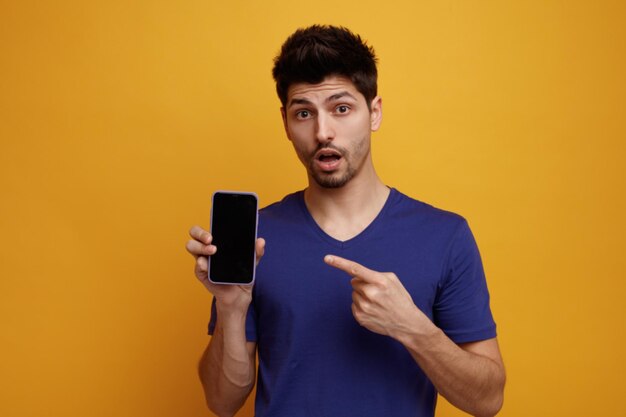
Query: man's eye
{"points": [[303, 114], [342, 109]]}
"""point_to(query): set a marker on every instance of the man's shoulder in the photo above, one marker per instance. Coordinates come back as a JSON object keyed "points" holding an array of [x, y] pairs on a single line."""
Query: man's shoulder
{"points": [[405, 206], [289, 207], [287, 202]]}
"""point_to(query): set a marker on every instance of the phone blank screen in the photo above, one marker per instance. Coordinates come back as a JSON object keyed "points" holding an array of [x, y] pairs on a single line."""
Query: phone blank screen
{"points": [[233, 226]]}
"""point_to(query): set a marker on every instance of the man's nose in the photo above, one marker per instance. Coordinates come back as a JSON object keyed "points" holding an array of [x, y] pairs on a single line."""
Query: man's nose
{"points": [[325, 130]]}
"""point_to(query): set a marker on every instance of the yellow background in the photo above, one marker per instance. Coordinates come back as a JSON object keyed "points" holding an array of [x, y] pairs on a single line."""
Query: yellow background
{"points": [[118, 119]]}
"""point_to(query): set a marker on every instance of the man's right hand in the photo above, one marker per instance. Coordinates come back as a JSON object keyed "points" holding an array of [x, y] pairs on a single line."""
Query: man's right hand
{"points": [[229, 296]]}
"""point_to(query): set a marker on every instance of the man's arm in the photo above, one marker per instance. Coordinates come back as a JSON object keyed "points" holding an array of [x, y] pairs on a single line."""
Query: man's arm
{"points": [[227, 368], [471, 376]]}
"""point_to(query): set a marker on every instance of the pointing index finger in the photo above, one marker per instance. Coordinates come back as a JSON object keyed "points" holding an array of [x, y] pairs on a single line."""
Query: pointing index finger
{"points": [[351, 268]]}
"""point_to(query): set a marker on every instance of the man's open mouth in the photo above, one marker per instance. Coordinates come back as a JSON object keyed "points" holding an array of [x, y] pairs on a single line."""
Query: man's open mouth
{"points": [[328, 159], [327, 155]]}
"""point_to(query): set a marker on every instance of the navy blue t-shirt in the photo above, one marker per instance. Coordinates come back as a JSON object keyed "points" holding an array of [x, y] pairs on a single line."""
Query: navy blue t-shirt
{"points": [[314, 358]]}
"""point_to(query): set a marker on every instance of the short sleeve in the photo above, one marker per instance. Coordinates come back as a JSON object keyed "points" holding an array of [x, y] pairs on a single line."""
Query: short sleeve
{"points": [[251, 333], [461, 306]]}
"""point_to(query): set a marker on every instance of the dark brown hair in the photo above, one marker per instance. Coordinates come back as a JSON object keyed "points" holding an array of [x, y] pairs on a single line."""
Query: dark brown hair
{"points": [[311, 54]]}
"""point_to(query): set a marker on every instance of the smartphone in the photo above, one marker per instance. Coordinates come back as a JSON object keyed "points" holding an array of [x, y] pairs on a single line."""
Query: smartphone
{"points": [[234, 222]]}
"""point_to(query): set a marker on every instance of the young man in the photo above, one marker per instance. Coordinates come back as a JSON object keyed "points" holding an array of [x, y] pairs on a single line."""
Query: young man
{"points": [[366, 302]]}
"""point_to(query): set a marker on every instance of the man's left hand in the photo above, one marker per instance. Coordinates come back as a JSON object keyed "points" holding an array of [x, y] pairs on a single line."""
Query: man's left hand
{"points": [[380, 302]]}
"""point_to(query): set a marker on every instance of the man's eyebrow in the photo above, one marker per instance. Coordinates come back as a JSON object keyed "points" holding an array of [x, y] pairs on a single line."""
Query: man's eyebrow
{"points": [[340, 96], [334, 97], [295, 101]]}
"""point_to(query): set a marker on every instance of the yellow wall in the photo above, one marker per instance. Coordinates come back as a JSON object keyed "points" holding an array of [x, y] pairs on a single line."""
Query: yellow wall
{"points": [[118, 119]]}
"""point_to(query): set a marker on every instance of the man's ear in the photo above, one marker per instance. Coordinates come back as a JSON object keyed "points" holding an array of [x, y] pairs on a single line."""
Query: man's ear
{"points": [[284, 116], [376, 113]]}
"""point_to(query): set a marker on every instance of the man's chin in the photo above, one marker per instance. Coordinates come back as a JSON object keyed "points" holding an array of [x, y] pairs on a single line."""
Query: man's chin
{"points": [[332, 180]]}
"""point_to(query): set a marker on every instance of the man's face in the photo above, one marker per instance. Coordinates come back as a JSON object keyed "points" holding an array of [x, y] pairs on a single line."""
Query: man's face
{"points": [[330, 127]]}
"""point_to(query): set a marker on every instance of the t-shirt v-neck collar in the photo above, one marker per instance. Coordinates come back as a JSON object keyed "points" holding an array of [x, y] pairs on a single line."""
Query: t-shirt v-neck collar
{"points": [[393, 193]]}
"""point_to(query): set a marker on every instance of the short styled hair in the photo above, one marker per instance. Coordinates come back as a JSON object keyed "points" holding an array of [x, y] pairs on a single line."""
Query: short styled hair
{"points": [[311, 54]]}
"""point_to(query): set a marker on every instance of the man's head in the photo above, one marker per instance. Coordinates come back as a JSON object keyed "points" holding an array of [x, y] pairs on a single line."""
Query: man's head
{"points": [[312, 54]]}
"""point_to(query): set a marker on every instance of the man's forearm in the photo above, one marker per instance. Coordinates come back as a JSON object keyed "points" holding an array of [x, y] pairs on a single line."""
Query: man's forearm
{"points": [[227, 368], [468, 380]]}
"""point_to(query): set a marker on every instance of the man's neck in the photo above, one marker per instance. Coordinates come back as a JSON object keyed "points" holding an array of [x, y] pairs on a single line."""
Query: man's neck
{"points": [[345, 212]]}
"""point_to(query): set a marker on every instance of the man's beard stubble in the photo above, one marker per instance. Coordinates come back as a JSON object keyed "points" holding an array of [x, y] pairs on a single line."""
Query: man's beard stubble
{"points": [[331, 180]]}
